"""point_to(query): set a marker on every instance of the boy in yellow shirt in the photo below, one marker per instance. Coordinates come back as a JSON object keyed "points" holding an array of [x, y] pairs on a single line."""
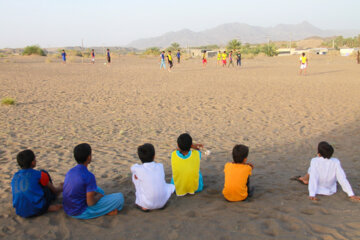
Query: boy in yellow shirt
{"points": [[224, 57], [237, 176], [303, 63], [185, 165]]}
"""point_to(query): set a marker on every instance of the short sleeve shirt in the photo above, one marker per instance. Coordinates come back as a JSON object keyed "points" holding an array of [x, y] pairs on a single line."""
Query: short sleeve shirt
{"points": [[78, 181], [236, 177], [28, 194]]}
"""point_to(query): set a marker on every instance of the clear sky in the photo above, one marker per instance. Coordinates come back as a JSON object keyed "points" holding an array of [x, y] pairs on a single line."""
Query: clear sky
{"points": [[57, 23]]}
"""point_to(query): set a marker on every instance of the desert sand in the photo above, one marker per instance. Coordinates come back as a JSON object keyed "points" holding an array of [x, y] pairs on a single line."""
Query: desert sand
{"points": [[264, 104]]}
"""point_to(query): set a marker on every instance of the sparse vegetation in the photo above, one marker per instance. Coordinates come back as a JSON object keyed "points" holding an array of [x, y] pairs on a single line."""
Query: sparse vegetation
{"points": [[8, 101], [33, 50], [252, 50], [208, 47], [233, 45], [152, 51], [173, 47], [340, 42]]}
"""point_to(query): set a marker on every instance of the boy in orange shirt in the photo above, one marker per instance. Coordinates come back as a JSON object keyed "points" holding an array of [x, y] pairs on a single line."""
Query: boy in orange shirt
{"points": [[237, 176]]}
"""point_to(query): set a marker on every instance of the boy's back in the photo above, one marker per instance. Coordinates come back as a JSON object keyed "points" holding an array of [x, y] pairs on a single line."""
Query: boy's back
{"points": [[323, 176], [236, 178], [152, 192], [28, 193], [78, 181], [185, 170]]}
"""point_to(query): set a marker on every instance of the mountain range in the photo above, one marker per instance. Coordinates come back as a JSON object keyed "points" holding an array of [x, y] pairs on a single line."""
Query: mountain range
{"points": [[246, 33]]}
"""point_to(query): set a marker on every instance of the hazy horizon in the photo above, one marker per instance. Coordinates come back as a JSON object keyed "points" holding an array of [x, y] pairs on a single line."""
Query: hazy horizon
{"points": [[114, 23]]}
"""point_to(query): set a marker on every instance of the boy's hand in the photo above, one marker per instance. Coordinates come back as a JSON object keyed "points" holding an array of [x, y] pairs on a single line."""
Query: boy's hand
{"points": [[314, 199], [355, 198], [197, 146], [251, 165]]}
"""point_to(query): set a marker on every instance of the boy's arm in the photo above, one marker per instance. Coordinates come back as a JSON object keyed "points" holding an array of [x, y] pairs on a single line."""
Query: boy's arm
{"points": [[54, 189], [251, 165], [197, 146], [341, 178], [92, 198], [312, 183]]}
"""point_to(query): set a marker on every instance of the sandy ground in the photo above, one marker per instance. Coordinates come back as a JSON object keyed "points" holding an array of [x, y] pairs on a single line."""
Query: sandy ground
{"points": [[265, 105]]}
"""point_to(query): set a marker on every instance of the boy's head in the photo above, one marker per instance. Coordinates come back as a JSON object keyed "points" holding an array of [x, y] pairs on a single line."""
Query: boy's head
{"points": [[303, 54], [63, 50], [146, 153], [184, 142], [325, 150], [26, 159], [178, 50], [169, 51], [82, 153], [107, 49], [240, 153], [163, 51]]}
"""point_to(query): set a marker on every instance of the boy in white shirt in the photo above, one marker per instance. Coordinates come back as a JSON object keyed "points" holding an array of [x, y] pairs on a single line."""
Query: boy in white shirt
{"points": [[323, 173], [152, 192]]}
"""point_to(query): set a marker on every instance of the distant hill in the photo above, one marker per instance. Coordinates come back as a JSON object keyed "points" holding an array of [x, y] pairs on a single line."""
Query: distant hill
{"points": [[245, 33]]}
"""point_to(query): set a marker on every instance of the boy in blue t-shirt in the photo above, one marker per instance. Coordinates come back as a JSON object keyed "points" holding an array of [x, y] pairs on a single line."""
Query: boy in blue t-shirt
{"points": [[32, 190], [63, 55], [162, 60], [178, 54], [82, 198]]}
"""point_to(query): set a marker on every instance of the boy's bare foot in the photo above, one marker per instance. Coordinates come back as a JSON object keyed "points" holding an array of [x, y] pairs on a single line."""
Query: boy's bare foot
{"points": [[142, 208], [54, 208], [314, 199], [113, 213], [355, 198], [303, 180]]}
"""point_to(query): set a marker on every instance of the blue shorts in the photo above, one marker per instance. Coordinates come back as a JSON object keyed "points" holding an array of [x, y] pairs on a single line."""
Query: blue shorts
{"points": [[105, 205]]}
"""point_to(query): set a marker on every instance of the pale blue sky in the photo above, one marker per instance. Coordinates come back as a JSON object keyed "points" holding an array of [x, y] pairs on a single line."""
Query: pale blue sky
{"points": [[56, 23]]}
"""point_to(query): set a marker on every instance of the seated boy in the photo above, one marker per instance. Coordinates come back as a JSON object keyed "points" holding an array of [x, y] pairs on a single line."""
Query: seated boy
{"points": [[32, 190], [237, 176], [185, 164], [82, 198], [152, 192], [323, 173]]}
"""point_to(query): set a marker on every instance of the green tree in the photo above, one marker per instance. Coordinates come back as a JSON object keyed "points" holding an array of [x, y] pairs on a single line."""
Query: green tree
{"points": [[233, 45], [34, 49], [269, 49], [173, 47], [152, 51]]}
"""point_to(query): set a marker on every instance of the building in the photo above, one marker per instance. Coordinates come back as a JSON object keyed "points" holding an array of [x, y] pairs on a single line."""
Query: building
{"points": [[347, 51]]}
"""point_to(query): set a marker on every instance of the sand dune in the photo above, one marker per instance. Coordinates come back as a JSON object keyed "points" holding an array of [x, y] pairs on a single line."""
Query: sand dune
{"points": [[265, 105]]}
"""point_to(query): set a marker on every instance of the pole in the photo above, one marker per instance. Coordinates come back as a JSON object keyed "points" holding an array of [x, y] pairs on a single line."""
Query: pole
{"points": [[82, 50]]}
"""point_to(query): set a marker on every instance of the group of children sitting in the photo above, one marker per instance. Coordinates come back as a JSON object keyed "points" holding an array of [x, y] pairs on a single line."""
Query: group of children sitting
{"points": [[34, 192]]}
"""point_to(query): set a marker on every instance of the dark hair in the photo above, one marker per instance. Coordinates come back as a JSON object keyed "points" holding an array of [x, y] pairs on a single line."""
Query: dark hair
{"points": [[146, 152], [25, 158], [239, 153], [303, 54], [108, 49], [82, 152], [325, 150], [184, 142]]}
